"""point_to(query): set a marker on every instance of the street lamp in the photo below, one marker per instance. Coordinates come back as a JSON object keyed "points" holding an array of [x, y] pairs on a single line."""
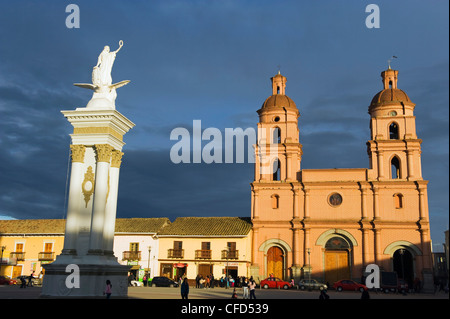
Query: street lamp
{"points": [[148, 263], [226, 270], [308, 250], [1, 260]]}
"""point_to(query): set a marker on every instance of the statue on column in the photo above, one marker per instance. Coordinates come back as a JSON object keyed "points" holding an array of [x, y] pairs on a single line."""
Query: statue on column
{"points": [[104, 91]]}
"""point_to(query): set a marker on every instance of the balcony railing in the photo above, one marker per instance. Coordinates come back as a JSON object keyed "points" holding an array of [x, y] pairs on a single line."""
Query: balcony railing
{"points": [[175, 253], [131, 255], [232, 254], [46, 256], [203, 254], [19, 256]]}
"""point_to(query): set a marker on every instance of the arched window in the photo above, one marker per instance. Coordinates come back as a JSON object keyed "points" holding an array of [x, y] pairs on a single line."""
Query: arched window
{"points": [[393, 131], [275, 201], [395, 168], [276, 135], [276, 170], [398, 201]]}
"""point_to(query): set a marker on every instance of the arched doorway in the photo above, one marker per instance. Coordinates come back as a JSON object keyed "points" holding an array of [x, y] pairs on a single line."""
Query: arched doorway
{"points": [[403, 265], [275, 262], [337, 259]]}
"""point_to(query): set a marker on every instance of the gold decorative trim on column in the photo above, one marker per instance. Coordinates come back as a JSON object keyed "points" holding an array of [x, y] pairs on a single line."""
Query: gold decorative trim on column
{"points": [[116, 158], [98, 130], [103, 152], [77, 152], [88, 189]]}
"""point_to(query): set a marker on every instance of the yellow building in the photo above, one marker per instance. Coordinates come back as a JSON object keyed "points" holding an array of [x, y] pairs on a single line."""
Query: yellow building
{"points": [[192, 246], [332, 223], [28, 244]]}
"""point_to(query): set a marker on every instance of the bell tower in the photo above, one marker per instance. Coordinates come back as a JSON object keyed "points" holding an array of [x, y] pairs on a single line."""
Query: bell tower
{"points": [[275, 189], [278, 149], [394, 149]]}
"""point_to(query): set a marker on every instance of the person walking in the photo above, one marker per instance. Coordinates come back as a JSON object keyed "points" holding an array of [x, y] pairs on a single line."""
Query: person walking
{"points": [[365, 294], [108, 289], [30, 279], [252, 287], [185, 289], [323, 295], [245, 289]]}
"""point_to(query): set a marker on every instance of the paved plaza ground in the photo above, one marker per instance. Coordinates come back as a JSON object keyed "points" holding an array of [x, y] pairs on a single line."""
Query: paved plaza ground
{"points": [[14, 292]]}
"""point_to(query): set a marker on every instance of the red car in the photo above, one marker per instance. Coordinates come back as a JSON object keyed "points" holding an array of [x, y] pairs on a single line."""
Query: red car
{"points": [[347, 284], [6, 281], [273, 282]]}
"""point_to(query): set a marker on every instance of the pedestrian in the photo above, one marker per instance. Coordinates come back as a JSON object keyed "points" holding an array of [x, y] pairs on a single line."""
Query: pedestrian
{"points": [[130, 279], [108, 289], [212, 281], [202, 282], [234, 295], [245, 289], [252, 287], [23, 282], [365, 294], [323, 295], [144, 280], [207, 285], [30, 279], [185, 289]]}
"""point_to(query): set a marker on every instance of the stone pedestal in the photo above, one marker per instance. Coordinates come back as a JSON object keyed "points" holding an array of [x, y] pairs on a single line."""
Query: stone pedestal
{"points": [[92, 272], [296, 273]]}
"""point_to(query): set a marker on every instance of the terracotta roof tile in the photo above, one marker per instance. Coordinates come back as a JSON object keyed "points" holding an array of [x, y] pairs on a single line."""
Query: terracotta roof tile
{"points": [[57, 226], [208, 226]]}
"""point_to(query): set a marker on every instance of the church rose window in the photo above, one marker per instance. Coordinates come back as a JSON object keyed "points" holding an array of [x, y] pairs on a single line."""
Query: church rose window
{"points": [[335, 199]]}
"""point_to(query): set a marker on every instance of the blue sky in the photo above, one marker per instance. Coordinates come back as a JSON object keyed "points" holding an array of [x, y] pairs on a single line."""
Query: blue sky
{"points": [[212, 61]]}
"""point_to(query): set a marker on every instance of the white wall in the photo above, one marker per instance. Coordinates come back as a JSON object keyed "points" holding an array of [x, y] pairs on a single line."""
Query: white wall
{"points": [[122, 243]]}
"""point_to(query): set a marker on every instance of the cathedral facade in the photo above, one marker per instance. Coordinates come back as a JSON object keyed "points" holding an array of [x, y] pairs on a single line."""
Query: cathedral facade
{"points": [[330, 224]]}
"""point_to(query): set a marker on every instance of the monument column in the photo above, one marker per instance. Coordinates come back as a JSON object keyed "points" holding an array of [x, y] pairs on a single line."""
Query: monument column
{"points": [[76, 178], [103, 157], [111, 203]]}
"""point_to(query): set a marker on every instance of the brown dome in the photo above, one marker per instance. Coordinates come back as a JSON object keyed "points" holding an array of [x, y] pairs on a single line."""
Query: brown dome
{"points": [[278, 100], [390, 96]]}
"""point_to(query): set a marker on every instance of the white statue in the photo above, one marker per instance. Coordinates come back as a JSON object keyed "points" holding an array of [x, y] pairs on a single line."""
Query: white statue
{"points": [[104, 91]]}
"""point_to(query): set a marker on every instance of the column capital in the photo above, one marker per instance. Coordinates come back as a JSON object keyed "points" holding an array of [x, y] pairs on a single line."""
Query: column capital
{"points": [[116, 158], [77, 152], [103, 152]]}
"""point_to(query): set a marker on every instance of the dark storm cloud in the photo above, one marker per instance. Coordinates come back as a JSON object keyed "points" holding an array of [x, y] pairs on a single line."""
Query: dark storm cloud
{"points": [[152, 186]]}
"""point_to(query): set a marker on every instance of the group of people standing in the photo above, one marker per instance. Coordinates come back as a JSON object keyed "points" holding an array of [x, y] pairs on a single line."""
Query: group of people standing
{"points": [[205, 282], [248, 289]]}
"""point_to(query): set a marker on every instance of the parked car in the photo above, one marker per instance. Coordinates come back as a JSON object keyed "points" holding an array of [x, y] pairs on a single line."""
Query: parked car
{"points": [[311, 284], [163, 282], [137, 283], [273, 282], [347, 284], [7, 281]]}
